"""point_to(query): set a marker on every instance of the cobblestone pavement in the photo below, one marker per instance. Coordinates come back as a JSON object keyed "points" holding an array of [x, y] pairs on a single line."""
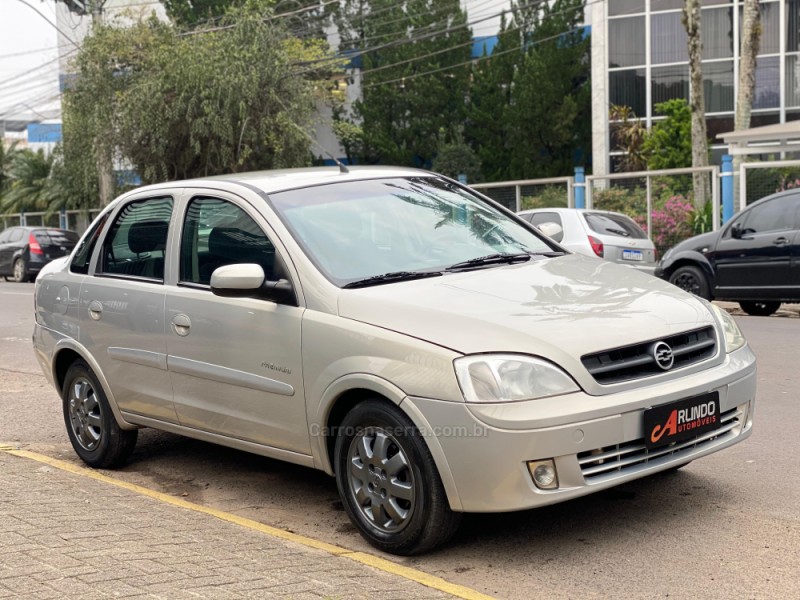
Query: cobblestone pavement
{"points": [[63, 535]]}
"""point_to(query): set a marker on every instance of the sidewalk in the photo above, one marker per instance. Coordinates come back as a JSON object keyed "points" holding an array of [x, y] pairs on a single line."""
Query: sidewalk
{"points": [[67, 535], [786, 310]]}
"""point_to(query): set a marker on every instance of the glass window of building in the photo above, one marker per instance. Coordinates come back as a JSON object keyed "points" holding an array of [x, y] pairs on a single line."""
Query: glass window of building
{"points": [[657, 5], [668, 39], [718, 86], [792, 80], [717, 33], [625, 7], [770, 27], [792, 25], [669, 83], [626, 47], [627, 88], [767, 92]]}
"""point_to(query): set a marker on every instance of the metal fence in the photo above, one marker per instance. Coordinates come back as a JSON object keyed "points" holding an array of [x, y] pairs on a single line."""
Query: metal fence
{"points": [[670, 205], [531, 193], [76, 220], [759, 179]]}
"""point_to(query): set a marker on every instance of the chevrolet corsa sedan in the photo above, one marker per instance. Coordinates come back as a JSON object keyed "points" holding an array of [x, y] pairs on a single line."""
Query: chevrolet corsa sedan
{"points": [[392, 328]]}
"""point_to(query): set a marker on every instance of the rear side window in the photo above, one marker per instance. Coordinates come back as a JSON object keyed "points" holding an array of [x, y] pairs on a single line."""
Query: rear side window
{"points": [[80, 262], [16, 234], [136, 244], [218, 233], [540, 218], [613, 224], [4, 236]]}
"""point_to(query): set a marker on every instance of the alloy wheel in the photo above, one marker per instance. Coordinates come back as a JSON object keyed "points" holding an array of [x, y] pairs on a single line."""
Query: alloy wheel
{"points": [[381, 480], [85, 415]]}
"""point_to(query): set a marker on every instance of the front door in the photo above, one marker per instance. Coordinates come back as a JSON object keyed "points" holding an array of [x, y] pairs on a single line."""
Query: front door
{"points": [[235, 363], [756, 263]]}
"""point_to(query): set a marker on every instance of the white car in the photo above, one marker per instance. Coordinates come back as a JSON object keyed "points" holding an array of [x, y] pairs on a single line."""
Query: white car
{"points": [[392, 328], [609, 235]]}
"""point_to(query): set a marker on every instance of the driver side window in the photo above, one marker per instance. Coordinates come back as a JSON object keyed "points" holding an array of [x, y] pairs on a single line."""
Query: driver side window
{"points": [[218, 233], [779, 214]]}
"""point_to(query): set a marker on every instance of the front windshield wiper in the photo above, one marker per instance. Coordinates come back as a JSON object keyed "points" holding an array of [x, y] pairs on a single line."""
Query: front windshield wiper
{"points": [[391, 278], [491, 259]]}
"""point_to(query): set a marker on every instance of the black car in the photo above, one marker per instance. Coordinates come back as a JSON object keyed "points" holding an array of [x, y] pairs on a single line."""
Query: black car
{"points": [[25, 250], [754, 259]]}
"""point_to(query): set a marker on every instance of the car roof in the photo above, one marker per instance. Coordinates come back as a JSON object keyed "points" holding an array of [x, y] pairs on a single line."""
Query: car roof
{"points": [[287, 179]]}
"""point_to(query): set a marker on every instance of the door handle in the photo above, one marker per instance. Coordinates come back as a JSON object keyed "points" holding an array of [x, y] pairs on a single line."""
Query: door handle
{"points": [[781, 241], [181, 324], [95, 310]]}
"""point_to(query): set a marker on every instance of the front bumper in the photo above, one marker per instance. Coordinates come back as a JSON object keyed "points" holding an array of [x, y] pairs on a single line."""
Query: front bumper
{"points": [[595, 441]]}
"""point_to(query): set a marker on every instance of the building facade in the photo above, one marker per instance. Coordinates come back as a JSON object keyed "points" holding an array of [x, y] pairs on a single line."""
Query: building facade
{"points": [[639, 59]]}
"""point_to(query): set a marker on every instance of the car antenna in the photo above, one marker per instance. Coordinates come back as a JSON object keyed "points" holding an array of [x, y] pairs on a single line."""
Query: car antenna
{"points": [[342, 169]]}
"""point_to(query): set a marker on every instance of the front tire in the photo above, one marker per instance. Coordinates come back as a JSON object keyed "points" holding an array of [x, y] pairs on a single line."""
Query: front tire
{"points": [[760, 309], [20, 270], [389, 483], [691, 279], [92, 429]]}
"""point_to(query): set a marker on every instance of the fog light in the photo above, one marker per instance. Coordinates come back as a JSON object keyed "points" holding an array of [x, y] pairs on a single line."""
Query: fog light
{"points": [[544, 474]]}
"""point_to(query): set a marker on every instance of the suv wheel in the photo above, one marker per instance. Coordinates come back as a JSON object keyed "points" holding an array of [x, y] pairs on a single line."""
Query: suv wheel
{"points": [[91, 426], [691, 279], [388, 482], [760, 309]]}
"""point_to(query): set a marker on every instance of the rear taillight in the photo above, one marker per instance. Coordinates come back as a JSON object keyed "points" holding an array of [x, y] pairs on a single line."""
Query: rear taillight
{"points": [[34, 246], [597, 246]]}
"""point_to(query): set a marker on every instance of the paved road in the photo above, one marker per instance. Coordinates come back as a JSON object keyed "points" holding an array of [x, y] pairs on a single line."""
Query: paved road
{"points": [[727, 526]]}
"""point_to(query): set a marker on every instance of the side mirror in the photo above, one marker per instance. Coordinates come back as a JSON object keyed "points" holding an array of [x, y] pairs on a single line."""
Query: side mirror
{"points": [[736, 231], [552, 230], [247, 280]]}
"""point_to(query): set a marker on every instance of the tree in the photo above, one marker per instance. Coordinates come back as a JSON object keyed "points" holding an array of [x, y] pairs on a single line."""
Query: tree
{"points": [[176, 106], [629, 135], [489, 101], [29, 186], [190, 13], [751, 38], [551, 94], [7, 154], [691, 22], [455, 158], [401, 114], [668, 144]]}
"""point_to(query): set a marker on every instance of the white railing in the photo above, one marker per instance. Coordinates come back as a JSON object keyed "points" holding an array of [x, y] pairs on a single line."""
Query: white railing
{"points": [[76, 220], [757, 190], [514, 194]]}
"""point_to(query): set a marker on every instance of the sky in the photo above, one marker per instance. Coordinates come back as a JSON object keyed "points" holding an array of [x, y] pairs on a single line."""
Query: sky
{"points": [[29, 55]]}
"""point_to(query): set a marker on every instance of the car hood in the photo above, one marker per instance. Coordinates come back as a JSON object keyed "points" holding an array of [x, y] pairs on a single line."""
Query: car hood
{"points": [[698, 242], [559, 308]]}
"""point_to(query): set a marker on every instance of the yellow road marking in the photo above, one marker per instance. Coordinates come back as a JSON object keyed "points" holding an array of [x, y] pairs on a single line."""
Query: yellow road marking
{"points": [[431, 581]]}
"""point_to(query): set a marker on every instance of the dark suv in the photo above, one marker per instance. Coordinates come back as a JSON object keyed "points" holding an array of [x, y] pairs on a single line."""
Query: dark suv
{"points": [[25, 250], [753, 260]]}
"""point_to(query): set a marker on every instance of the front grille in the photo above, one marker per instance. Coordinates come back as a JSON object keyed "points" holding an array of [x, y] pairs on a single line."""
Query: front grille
{"points": [[612, 461], [636, 361]]}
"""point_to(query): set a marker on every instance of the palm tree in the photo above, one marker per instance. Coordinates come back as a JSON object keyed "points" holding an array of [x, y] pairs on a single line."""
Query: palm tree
{"points": [[29, 185], [6, 158]]}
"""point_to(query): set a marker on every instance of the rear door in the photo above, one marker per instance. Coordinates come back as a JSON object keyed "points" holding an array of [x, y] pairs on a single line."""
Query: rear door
{"points": [[757, 264], [122, 307]]}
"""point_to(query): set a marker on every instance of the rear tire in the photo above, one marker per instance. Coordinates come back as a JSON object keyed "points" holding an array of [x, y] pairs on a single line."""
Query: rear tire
{"points": [[691, 279], [760, 309], [389, 483], [20, 270], [92, 429]]}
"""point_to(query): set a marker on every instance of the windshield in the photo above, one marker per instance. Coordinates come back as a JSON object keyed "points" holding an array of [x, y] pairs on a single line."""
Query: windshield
{"points": [[359, 229]]}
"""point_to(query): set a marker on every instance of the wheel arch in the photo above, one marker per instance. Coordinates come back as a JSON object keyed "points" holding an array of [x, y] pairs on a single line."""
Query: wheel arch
{"points": [[344, 394], [64, 355], [692, 259]]}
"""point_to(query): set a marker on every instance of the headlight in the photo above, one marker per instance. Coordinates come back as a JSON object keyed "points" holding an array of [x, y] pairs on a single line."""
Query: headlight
{"points": [[733, 335], [510, 377]]}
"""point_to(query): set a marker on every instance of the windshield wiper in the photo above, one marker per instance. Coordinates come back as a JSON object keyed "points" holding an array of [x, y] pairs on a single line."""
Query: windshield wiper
{"points": [[392, 278], [491, 259]]}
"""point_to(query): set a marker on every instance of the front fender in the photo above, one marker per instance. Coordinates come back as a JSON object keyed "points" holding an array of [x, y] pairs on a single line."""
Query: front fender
{"points": [[683, 258]]}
